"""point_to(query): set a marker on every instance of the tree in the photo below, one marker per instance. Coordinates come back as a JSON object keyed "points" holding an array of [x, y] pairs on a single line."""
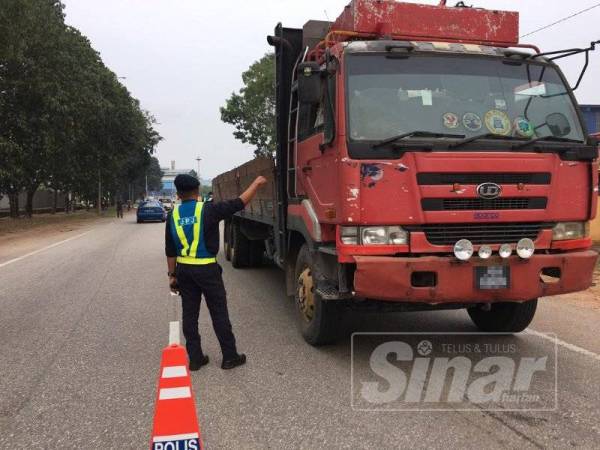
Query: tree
{"points": [[30, 37], [252, 110], [155, 175], [66, 121]]}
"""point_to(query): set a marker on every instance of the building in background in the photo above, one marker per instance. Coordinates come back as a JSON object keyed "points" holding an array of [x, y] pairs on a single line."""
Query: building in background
{"points": [[168, 186], [591, 114]]}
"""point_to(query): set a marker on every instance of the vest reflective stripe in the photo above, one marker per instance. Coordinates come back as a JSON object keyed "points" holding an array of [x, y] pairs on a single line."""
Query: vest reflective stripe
{"points": [[198, 214], [195, 261], [180, 232], [191, 248]]}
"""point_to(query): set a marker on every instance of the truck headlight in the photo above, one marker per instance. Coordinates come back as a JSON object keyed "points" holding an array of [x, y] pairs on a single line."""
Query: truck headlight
{"points": [[397, 236], [349, 235], [564, 231], [383, 236], [392, 235], [374, 236]]}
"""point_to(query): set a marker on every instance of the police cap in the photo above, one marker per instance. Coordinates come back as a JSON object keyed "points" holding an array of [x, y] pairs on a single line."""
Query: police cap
{"points": [[186, 183]]}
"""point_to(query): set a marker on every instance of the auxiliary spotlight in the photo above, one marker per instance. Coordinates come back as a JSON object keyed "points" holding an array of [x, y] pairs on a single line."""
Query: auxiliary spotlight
{"points": [[463, 249]]}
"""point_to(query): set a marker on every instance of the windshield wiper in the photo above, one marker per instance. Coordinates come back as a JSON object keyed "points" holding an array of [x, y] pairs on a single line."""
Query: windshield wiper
{"points": [[545, 138], [417, 134], [478, 137]]}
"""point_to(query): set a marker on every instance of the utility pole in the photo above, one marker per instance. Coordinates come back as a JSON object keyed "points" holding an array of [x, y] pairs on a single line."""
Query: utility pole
{"points": [[146, 184]]}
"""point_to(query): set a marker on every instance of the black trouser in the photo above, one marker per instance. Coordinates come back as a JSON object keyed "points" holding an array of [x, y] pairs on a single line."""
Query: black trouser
{"points": [[194, 281]]}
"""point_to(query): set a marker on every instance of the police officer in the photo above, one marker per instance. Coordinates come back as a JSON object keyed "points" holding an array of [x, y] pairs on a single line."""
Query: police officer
{"points": [[191, 246]]}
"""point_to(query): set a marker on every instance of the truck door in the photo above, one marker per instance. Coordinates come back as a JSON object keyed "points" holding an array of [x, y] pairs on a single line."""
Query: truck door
{"points": [[316, 167]]}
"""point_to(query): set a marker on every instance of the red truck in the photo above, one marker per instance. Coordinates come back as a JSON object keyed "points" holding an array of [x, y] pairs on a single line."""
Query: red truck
{"points": [[425, 160]]}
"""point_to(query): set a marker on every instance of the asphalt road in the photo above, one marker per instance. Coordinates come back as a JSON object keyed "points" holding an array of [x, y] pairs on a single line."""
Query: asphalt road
{"points": [[82, 325]]}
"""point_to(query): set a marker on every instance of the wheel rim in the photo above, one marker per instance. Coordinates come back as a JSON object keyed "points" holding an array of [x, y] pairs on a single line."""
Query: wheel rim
{"points": [[306, 295]]}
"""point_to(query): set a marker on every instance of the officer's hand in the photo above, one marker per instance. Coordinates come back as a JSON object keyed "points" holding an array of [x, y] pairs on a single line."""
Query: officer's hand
{"points": [[260, 180], [173, 285]]}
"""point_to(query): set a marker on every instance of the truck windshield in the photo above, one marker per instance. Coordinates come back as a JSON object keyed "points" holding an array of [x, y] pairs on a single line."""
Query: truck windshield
{"points": [[467, 95]]}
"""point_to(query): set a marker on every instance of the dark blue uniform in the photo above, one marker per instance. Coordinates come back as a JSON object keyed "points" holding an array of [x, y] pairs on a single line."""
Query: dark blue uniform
{"points": [[195, 244]]}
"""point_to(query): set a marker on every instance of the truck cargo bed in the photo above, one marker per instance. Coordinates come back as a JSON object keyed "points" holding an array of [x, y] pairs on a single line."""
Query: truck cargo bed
{"points": [[231, 184]]}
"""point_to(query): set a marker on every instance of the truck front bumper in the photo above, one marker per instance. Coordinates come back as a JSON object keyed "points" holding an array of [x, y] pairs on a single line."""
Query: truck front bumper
{"points": [[391, 278]]}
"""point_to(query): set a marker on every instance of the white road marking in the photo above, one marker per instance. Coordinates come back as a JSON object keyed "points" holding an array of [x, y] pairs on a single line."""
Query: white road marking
{"points": [[574, 348], [27, 255], [173, 393], [174, 372], [176, 437]]}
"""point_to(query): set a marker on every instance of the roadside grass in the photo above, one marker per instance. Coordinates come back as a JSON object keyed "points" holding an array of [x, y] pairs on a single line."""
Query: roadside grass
{"points": [[60, 221]]}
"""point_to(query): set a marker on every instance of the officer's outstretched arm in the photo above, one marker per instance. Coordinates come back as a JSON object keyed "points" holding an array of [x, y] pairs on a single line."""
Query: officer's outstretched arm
{"points": [[249, 193]]}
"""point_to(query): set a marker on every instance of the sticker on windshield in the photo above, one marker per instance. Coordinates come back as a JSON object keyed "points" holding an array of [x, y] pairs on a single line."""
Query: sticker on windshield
{"points": [[498, 122], [472, 122], [450, 120], [523, 127]]}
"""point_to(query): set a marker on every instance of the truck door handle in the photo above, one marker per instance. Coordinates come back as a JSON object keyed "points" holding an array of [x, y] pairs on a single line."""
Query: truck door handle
{"points": [[306, 169]]}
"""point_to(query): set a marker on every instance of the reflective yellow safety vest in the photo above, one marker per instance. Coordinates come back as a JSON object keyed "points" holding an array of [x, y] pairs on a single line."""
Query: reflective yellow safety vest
{"points": [[187, 232]]}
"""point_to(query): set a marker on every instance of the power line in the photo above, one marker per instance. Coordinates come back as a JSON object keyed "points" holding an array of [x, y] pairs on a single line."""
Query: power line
{"points": [[564, 19]]}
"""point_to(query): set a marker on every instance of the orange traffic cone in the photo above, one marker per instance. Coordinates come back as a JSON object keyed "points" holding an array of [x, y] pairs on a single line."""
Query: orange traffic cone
{"points": [[175, 421]]}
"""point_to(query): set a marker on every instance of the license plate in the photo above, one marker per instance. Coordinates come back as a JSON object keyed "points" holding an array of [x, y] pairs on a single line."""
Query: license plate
{"points": [[492, 277]]}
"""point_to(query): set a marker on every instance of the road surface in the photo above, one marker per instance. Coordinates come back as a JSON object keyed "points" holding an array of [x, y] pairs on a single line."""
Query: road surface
{"points": [[82, 325]]}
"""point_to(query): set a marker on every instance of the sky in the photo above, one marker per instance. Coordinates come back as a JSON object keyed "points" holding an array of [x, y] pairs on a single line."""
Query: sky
{"points": [[183, 58]]}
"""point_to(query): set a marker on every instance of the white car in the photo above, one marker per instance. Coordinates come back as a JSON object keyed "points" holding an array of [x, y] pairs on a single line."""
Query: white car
{"points": [[167, 203]]}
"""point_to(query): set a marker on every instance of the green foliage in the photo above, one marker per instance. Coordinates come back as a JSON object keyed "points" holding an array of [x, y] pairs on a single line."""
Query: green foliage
{"points": [[65, 119], [252, 110], [155, 175]]}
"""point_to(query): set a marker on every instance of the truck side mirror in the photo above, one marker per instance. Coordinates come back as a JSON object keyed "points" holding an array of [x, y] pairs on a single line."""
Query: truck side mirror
{"points": [[309, 83]]}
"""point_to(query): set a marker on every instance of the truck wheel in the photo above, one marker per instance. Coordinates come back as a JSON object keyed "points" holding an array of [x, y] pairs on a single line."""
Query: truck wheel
{"points": [[240, 248], [227, 241], [318, 319], [509, 317]]}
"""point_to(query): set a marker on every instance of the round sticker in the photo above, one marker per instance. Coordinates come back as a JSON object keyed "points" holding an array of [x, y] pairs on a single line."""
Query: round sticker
{"points": [[472, 122], [523, 127], [498, 122], [450, 120]]}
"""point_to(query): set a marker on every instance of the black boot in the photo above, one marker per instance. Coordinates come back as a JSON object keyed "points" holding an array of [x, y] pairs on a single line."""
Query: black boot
{"points": [[195, 365], [233, 362]]}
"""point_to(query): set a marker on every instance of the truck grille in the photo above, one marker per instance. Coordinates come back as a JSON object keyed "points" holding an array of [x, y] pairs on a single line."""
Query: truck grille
{"points": [[433, 179], [459, 204], [493, 233]]}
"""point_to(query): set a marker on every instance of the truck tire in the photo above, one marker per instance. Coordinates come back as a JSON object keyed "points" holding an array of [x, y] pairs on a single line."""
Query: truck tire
{"points": [[318, 319], [240, 248], [227, 241], [509, 317]]}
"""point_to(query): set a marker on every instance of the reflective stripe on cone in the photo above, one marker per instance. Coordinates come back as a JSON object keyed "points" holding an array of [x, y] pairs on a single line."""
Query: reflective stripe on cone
{"points": [[175, 421]]}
